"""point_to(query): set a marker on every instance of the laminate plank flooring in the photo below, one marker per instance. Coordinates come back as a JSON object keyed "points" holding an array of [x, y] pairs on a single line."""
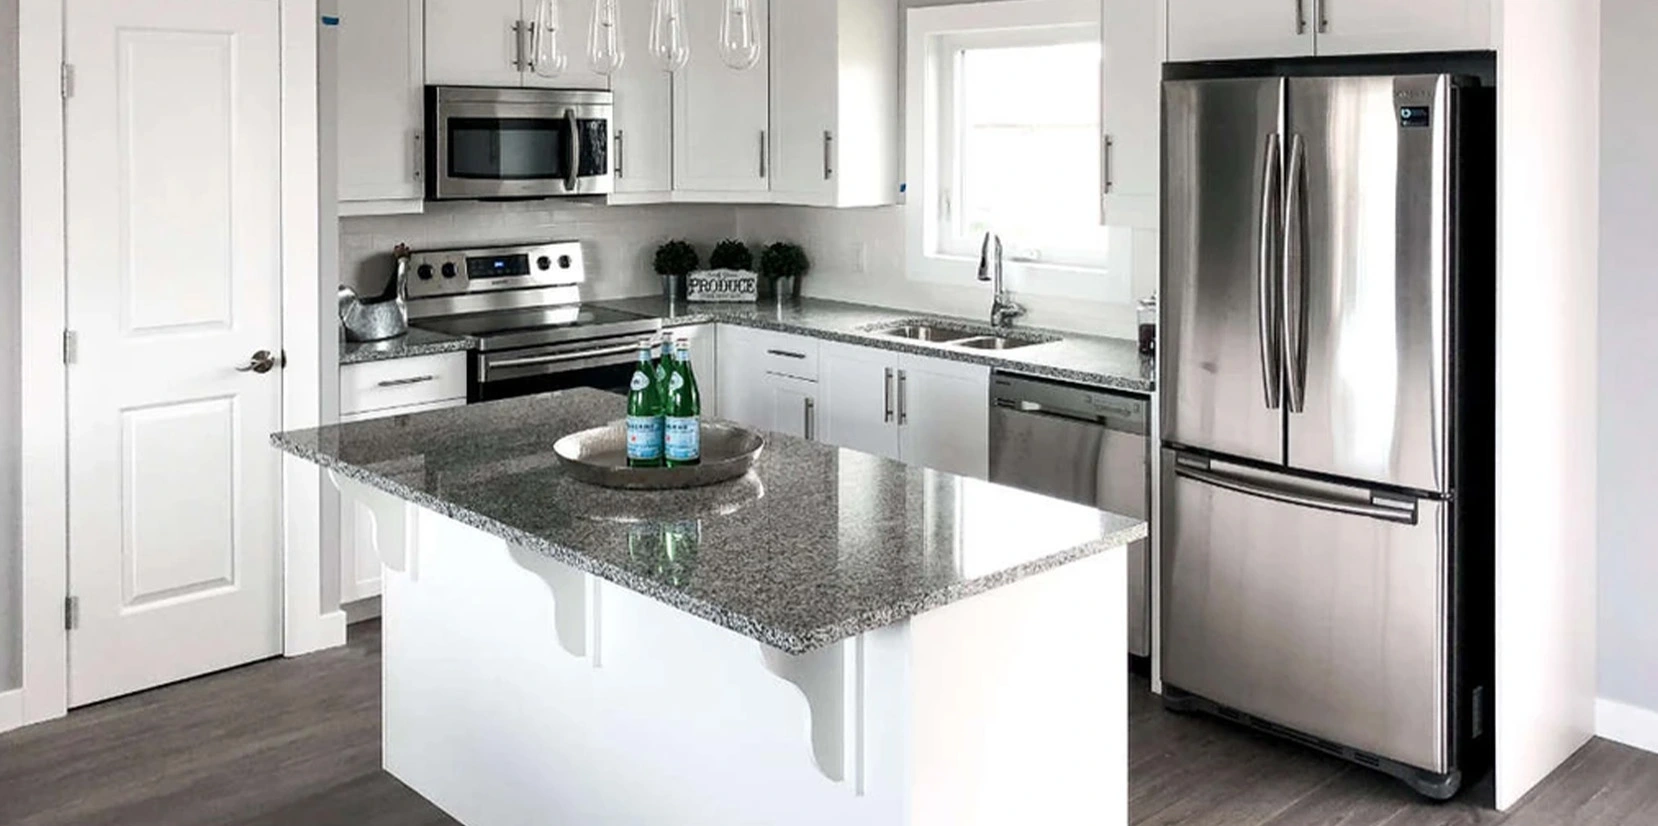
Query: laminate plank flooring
{"points": [[297, 743]]}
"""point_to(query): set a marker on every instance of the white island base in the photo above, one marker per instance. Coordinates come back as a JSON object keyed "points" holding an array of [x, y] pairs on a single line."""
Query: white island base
{"points": [[520, 691]]}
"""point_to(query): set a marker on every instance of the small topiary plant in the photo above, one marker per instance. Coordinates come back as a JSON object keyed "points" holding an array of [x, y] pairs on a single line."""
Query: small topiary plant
{"points": [[784, 260], [731, 254], [676, 258]]}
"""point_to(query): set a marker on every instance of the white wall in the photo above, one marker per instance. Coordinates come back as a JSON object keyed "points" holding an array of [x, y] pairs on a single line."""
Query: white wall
{"points": [[11, 641], [1548, 265], [1628, 353]]}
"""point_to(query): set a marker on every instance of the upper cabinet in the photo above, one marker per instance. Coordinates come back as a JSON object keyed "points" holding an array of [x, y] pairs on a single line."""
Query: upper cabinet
{"points": [[494, 43], [381, 71], [643, 154], [721, 115], [1227, 29], [834, 102], [1131, 83]]}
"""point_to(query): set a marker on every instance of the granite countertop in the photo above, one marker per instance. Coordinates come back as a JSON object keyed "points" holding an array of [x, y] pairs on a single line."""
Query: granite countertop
{"points": [[1085, 359], [416, 342], [816, 545]]}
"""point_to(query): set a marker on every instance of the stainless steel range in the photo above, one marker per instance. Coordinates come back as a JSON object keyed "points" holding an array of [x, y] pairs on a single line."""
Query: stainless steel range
{"points": [[524, 306]]}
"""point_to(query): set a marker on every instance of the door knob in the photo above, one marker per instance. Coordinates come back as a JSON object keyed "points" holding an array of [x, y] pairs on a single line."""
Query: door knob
{"points": [[261, 362]]}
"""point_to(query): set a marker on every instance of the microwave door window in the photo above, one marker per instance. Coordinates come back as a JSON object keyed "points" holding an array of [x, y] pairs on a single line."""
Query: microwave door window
{"points": [[508, 149], [595, 147]]}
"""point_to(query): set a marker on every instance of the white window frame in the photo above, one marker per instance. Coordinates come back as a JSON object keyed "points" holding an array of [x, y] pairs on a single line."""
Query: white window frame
{"points": [[935, 34]]}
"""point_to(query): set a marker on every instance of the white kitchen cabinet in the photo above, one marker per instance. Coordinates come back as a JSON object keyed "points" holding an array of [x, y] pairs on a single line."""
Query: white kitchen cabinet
{"points": [[487, 43], [790, 405], [721, 116], [834, 102], [860, 398], [380, 81], [944, 415], [1131, 88], [1228, 29], [643, 149], [766, 380], [1377, 26]]}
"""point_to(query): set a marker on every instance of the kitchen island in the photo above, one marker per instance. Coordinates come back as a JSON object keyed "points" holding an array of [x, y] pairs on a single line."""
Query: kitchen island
{"points": [[836, 638]]}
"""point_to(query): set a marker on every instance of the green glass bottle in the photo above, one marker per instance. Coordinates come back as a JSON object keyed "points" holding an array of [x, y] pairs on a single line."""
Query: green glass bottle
{"points": [[664, 352], [644, 423], [682, 418]]}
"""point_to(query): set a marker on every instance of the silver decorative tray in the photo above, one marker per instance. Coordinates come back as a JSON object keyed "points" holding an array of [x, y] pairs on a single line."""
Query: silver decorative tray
{"points": [[599, 457]]}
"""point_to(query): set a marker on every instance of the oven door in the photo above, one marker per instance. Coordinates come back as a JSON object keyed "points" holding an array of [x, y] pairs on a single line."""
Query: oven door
{"points": [[517, 143], [605, 364]]}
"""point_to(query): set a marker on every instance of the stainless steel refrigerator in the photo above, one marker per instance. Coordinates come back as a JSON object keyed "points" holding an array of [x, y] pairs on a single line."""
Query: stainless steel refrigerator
{"points": [[1324, 238]]}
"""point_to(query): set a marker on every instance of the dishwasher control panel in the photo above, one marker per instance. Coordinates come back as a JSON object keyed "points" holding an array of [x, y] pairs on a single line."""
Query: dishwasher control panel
{"points": [[1117, 410]]}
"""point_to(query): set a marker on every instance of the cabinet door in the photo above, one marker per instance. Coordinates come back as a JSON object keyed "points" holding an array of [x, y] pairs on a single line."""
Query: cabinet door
{"points": [[381, 70], [792, 404], [1371, 26], [473, 42], [575, 18], [1222, 29], [944, 415], [1131, 87], [859, 387], [805, 75], [741, 381], [721, 115], [644, 145]]}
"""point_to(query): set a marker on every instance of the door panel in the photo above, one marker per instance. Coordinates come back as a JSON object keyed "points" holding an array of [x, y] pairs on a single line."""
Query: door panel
{"points": [[805, 80], [173, 244], [722, 117], [644, 150], [1376, 281], [1216, 139], [859, 385], [1375, 26], [944, 415], [471, 42], [1329, 623], [1229, 29]]}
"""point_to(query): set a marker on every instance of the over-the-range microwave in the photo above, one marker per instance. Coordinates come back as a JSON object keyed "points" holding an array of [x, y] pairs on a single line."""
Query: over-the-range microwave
{"points": [[503, 144]]}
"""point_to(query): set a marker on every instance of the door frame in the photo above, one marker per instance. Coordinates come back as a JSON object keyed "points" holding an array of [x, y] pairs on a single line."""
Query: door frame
{"points": [[42, 253]]}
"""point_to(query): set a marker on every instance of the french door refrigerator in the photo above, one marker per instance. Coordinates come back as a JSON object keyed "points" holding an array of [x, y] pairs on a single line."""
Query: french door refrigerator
{"points": [[1324, 238]]}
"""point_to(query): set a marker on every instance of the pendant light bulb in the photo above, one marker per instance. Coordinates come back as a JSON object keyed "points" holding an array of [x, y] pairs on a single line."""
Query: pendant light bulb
{"points": [[548, 57], [670, 46], [604, 39], [739, 35]]}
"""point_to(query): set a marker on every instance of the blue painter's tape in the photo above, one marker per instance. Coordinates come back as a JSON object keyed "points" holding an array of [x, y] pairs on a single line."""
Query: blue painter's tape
{"points": [[903, 188], [329, 20]]}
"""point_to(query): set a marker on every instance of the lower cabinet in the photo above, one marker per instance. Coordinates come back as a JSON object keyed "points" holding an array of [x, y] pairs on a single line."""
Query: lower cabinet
{"points": [[768, 381], [922, 411]]}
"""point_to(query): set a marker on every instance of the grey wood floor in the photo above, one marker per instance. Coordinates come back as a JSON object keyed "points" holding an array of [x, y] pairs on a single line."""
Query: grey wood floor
{"points": [[296, 743]]}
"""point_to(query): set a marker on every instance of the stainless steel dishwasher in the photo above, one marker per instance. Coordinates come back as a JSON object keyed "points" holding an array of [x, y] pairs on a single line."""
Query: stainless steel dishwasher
{"points": [[1084, 444]]}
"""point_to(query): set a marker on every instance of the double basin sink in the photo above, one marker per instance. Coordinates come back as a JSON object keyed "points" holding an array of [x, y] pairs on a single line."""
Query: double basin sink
{"points": [[971, 339]]}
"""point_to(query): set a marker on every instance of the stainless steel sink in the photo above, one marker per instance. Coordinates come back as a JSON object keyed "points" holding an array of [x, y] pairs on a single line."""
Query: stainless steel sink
{"points": [[995, 343], [926, 332]]}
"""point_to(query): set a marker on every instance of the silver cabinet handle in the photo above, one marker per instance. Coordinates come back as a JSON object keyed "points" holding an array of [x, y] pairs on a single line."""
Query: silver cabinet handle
{"points": [[619, 151], [1295, 277], [1292, 497], [1268, 298], [419, 157], [787, 354], [765, 147], [572, 176], [1105, 165], [518, 45], [811, 419], [888, 418], [1300, 16], [828, 155], [408, 381], [1323, 16], [530, 30], [903, 397]]}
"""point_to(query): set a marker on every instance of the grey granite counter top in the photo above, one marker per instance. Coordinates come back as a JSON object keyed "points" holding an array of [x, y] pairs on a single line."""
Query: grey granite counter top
{"points": [[417, 342], [815, 545], [1095, 360]]}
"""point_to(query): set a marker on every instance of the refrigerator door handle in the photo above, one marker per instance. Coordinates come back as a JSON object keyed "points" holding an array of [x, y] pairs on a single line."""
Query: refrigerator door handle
{"points": [[1268, 296], [1295, 276], [1389, 509]]}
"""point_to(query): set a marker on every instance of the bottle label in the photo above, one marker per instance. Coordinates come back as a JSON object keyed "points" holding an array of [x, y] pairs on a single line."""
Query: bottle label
{"points": [[684, 438], [640, 381], [644, 438]]}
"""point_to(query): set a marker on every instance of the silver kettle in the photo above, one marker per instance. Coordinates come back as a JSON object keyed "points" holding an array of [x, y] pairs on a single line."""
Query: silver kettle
{"points": [[382, 317]]}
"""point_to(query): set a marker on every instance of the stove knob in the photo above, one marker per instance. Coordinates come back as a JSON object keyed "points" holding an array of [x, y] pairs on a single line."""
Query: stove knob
{"points": [[425, 272], [449, 269], [543, 263], [564, 262]]}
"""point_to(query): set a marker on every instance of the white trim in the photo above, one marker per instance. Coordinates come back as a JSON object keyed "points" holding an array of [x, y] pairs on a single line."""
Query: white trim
{"points": [[1627, 724], [11, 709]]}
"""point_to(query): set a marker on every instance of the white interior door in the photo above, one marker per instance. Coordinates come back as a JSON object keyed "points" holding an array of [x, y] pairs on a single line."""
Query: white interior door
{"points": [[173, 191]]}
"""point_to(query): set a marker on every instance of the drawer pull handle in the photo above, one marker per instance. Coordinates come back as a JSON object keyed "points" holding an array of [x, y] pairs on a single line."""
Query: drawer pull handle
{"points": [[408, 381], [788, 355]]}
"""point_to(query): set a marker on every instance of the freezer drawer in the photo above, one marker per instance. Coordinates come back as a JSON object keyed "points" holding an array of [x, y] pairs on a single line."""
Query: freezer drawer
{"points": [[1317, 607]]}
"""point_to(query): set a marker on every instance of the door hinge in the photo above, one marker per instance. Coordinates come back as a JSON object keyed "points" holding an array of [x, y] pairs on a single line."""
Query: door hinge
{"points": [[71, 347], [71, 613], [67, 81]]}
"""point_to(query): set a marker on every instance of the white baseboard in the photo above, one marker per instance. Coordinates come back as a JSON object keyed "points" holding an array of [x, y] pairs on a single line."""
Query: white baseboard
{"points": [[1627, 724], [11, 709]]}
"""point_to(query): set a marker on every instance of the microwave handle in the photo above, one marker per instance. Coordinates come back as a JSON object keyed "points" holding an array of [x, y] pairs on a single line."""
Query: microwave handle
{"points": [[573, 174]]}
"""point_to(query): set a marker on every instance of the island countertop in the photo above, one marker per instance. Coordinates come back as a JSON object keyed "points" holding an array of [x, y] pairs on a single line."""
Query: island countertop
{"points": [[816, 545]]}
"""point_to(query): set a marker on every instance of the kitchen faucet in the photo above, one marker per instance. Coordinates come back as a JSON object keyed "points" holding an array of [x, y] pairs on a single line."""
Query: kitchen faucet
{"points": [[1003, 310]]}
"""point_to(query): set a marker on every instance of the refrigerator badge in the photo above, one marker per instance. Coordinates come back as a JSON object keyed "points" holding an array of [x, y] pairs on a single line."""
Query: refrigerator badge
{"points": [[1415, 117]]}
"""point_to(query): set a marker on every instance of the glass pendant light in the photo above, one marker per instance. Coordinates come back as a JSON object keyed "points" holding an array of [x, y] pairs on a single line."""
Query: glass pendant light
{"points": [[670, 46], [604, 39], [739, 35], [548, 58]]}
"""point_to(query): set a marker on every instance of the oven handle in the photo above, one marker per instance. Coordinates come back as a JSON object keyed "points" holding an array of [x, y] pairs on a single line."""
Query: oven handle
{"points": [[557, 358], [573, 176]]}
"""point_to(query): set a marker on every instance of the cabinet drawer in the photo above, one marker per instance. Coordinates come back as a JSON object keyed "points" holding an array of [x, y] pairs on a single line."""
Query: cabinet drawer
{"points": [[380, 385], [785, 355]]}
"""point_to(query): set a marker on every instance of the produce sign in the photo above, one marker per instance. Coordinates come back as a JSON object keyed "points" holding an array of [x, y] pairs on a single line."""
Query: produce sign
{"points": [[722, 285]]}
